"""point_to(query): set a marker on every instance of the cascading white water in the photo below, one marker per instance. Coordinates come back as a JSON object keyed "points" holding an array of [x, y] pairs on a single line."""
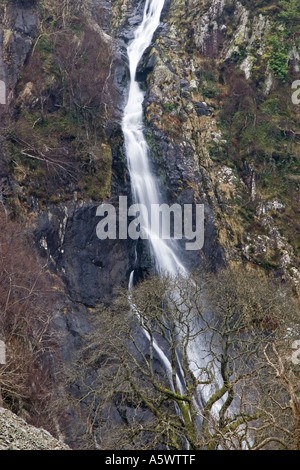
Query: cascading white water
{"points": [[145, 190], [144, 186]]}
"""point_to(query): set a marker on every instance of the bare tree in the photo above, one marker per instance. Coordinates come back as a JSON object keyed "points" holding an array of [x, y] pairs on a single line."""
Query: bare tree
{"points": [[182, 363], [248, 313], [26, 313]]}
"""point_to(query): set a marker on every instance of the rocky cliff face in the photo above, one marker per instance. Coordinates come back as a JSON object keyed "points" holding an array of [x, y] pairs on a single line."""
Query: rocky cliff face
{"points": [[213, 73], [219, 122], [19, 23]]}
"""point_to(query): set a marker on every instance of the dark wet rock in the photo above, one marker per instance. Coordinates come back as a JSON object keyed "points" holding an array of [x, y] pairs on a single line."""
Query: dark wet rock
{"points": [[185, 87], [202, 109], [91, 268], [101, 12], [20, 25], [146, 66], [133, 17], [23, 19]]}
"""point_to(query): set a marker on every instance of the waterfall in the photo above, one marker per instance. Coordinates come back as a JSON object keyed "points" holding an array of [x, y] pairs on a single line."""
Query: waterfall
{"points": [[145, 190], [144, 186]]}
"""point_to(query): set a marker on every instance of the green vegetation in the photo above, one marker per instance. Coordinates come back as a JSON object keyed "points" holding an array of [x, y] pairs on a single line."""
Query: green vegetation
{"points": [[262, 130], [282, 11], [169, 107], [290, 14], [210, 90], [278, 56]]}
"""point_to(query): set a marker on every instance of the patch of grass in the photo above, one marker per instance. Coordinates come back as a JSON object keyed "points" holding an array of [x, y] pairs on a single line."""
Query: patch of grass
{"points": [[210, 90], [169, 107]]}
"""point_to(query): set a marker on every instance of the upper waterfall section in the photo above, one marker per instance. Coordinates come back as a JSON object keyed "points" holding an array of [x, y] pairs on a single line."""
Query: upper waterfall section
{"points": [[144, 33]]}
